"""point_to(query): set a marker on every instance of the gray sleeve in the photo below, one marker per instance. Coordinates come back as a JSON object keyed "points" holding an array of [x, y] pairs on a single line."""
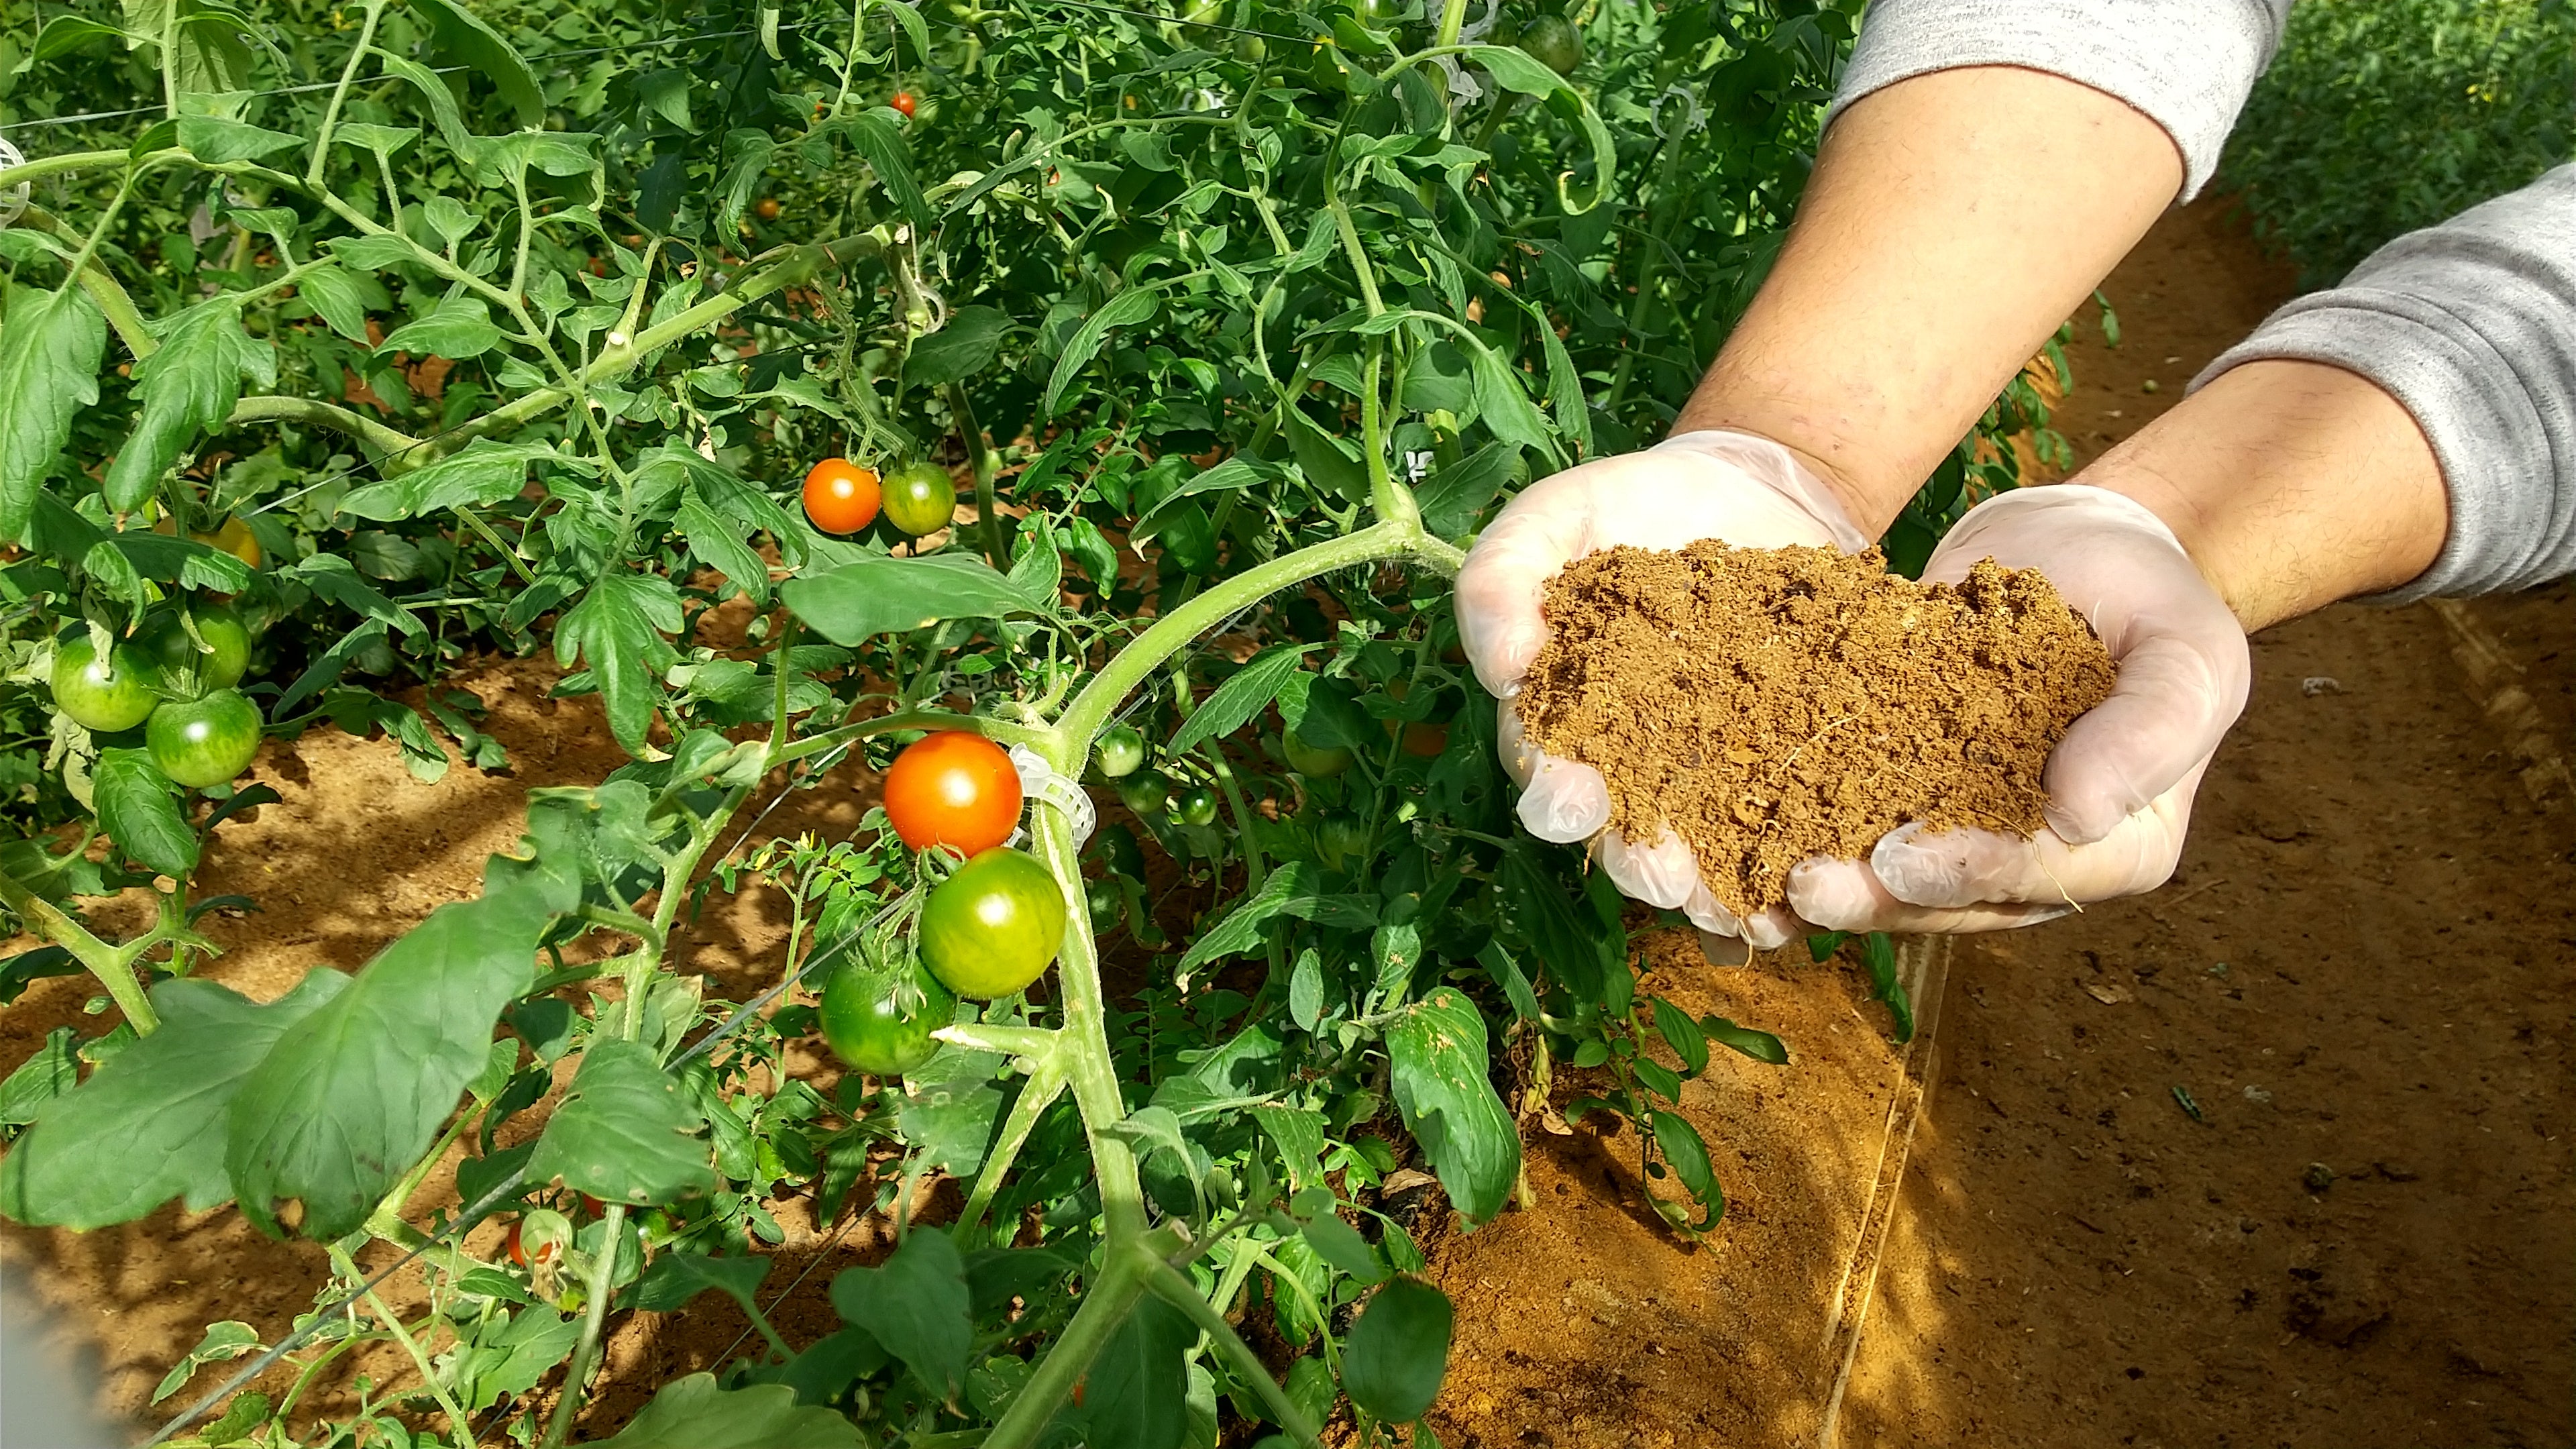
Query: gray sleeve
{"points": [[2187, 64], [2471, 325]]}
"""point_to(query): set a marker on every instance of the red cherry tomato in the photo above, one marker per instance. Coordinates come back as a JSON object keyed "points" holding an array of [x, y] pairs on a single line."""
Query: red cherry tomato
{"points": [[903, 102], [953, 788], [840, 496]]}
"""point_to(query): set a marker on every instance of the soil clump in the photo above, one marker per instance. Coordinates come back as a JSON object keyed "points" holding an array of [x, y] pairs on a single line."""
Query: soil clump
{"points": [[1767, 705]]}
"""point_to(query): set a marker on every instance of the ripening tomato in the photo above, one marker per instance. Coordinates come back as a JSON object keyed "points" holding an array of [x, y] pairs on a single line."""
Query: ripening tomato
{"points": [[879, 1019], [954, 788], [232, 536], [206, 741], [768, 209], [840, 496], [220, 665], [920, 498], [1120, 751], [104, 696], [539, 1238], [1315, 762], [990, 929], [903, 101]]}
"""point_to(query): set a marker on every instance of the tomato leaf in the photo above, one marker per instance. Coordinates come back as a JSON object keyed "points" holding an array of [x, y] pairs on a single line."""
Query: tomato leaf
{"points": [[917, 1305], [881, 595], [139, 809], [879, 142], [1240, 931], [149, 1125], [507, 1354], [459, 36], [618, 629], [457, 328], [1440, 1066], [718, 543], [1241, 697], [1762, 1046], [189, 384], [1136, 1394], [51, 1072], [693, 1413], [483, 474], [355, 1092], [1131, 308], [1398, 1351], [336, 579], [675, 1278], [1683, 1035], [219, 142], [50, 347], [965, 347], [626, 1132], [343, 298]]}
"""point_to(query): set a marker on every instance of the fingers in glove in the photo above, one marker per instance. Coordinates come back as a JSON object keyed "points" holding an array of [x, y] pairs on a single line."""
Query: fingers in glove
{"points": [[1844, 895], [1562, 801], [1505, 575], [1664, 874], [1970, 867], [2176, 696]]}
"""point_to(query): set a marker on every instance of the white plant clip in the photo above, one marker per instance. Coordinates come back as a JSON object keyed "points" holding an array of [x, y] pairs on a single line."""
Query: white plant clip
{"points": [[13, 201], [1039, 781]]}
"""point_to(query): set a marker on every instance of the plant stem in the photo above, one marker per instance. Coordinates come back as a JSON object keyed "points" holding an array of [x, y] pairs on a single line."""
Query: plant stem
{"points": [[113, 967], [1035, 737], [1036, 1095], [596, 1288], [1082, 1051], [1106, 1301], [331, 113], [1168, 1284], [457, 1421], [269, 408], [986, 505]]}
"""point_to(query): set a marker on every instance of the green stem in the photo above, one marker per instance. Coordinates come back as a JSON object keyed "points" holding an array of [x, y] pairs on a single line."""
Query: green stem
{"points": [[1036, 737], [457, 1422], [1665, 178], [111, 298], [1106, 1302], [44, 166], [1036, 1095], [393, 443], [113, 967], [1082, 1052], [603, 1270], [331, 113], [1168, 1284], [1017, 1041], [1453, 18], [987, 506]]}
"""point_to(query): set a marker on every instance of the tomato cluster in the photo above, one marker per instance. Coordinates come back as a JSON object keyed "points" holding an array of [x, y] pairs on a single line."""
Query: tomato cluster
{"points": [[996, 922], [175, 677], [842, 497]]}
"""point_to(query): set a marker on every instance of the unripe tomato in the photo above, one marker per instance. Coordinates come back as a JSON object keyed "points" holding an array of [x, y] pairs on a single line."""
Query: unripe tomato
{"points": [[990, 929], [954, 788], [840, 496], [1146, 792], [220, 666], [903, 101], [920, 498], [1311, 761], [200, 742], [1250, 49], [104, 696], [1194, 806], [1553, 42], [879, 1019], [232, 536], [1120, 751]]}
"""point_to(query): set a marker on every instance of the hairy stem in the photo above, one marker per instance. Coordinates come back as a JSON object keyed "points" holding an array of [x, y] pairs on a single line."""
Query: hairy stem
{"points": [[1168, 1284], [113, 967]]}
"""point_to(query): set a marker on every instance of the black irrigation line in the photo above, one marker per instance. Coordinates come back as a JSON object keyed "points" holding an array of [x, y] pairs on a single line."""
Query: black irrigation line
{"points": [[474, 1213]]}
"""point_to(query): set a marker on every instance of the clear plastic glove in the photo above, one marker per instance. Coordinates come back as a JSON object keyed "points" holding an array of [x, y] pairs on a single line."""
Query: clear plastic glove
{"points": [[1745, 490], [2120, 783]]}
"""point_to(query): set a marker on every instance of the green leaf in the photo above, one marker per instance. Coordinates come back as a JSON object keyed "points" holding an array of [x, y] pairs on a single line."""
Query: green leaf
{"points": [[65, 34], [917, 1305], [879, 142], [49, 355], [442, 108], [1340, 1244], [618, 629], [878, 595], [1299, 1136], [626, 1133], [675, 1278], [51, 1072], [223, 1341], [949, 1107], [1326, 461], [1762, 1046], [1132, 308], [1440, 1076], [1878, 953], [1240, 931], [1246, 694], [457, 328], [354, 1093], [138, 807], [343, 298], [965, 347], [510, 1354], [1136, 1394], [1238, 472], [149, 1125], [219, 142], [1453, 498], [336, 579], [718, 543], [189, 385], [1398, 1351], [483, 474], [693, 1413], [1683, 1035], [460, 37]]}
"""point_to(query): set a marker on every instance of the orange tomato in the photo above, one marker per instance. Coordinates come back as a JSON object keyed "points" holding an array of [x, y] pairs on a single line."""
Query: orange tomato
{"points": [[954, 788], [903, 101], [840, 496]]}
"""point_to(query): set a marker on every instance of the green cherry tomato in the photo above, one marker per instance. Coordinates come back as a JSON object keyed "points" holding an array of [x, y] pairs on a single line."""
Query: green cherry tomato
{"points": [[1553, 42], [200, 742], [879, 1020], [1194, 806], [1343, 838], [219, 666], [1120, 751], [1146, 792], [1250, 50], [920, 498], [991, 928], [1120, 852], [104, 696], [1311, 761]]}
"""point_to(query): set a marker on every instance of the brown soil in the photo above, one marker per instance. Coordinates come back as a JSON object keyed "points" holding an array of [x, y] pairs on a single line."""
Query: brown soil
{"points": [[1767, 705], [2361, 965]]}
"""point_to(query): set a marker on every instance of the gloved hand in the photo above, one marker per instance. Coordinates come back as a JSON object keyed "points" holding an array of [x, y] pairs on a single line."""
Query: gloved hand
{"points": [[2120, 783], [1745, 490]]}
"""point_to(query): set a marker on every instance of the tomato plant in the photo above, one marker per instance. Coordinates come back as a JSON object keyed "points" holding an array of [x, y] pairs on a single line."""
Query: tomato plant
{"points": [[1206, 348]]}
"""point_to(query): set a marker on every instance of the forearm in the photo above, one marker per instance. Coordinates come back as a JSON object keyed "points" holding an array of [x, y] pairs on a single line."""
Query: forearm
{"points": [[2291, 485], [1952, 223]]}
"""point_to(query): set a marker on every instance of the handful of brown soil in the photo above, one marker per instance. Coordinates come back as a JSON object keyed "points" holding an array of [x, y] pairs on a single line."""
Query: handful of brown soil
{"points": [[1767, 705]]}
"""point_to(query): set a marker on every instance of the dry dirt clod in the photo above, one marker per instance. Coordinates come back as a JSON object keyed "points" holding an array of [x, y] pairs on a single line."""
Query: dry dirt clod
{"points": [[1767, 705]]}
